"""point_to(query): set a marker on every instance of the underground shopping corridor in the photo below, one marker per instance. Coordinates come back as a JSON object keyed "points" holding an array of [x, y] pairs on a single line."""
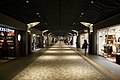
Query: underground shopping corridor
{"points": [[59, 62]]}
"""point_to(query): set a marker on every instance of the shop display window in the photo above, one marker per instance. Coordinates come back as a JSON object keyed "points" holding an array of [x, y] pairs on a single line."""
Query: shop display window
{"points": [[108, 41], [10, 34], [10, 37], [35, 41]]}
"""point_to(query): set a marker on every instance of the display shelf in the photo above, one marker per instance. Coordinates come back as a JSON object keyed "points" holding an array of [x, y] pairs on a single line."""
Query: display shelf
{"points": [[10, 40]]}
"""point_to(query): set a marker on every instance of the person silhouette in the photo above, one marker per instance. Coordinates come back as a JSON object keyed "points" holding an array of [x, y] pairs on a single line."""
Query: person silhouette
{"points": [[84, 46], [5, 49]]}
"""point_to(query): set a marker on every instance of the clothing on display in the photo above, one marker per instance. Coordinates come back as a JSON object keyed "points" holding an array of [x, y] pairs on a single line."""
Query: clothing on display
{"points": [[119, 39], [108, 41], [108, 49]]}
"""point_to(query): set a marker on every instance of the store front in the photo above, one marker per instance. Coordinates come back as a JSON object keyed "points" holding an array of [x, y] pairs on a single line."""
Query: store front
{"points": [[49, 39], [45, 41], [9, 35], [74, 40], [15, 33], [14, 37], [35, 41], [108, 42], [69, 40]]}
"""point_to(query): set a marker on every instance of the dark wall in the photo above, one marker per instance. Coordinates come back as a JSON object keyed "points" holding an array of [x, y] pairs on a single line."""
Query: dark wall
{"points": [[108, 22], [6, 20], [19, 44]]}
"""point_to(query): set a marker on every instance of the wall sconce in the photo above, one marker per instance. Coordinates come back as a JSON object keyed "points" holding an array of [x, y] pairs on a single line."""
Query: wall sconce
{"points": [[19, 37]]}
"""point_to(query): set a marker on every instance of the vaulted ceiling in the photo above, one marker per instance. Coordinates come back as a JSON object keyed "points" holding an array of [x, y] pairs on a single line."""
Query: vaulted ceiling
{"points": [[60, 16]]}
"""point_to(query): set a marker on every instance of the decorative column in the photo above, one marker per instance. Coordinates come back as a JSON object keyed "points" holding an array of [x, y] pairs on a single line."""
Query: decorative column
{"points": [[92, 42]]}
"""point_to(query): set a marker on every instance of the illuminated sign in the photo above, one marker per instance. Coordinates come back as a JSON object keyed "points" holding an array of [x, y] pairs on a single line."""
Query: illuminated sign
{"points": [[6, 29]]}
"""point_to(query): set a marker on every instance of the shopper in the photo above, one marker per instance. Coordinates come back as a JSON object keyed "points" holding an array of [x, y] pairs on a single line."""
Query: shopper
{"points": [[77, 45], [84, 46], [5, 49]]}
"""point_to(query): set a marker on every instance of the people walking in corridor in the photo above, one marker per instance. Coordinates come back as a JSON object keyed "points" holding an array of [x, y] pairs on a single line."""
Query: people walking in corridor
{"points": [[84, 46]]}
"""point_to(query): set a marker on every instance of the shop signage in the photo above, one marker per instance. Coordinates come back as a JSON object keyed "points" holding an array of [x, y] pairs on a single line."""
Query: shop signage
{"points": [[6, 29]]}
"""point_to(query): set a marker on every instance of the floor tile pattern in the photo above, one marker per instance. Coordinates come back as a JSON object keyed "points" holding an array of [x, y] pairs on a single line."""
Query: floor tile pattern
{"points": [[60, 63]]}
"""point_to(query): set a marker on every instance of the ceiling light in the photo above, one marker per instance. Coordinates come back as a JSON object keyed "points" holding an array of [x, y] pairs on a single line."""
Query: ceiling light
{"points": [[80, 16], [74, 23], [74, 31], [30, 25], [82, 13], [37, 13], [85, 30], [27, 1], [46, 23], [33, 24], [44, 31], [86, 24], [92, 2]]}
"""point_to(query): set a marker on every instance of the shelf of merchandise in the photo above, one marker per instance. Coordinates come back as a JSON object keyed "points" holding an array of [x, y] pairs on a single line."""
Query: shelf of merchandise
{"points": [[11, 43]]}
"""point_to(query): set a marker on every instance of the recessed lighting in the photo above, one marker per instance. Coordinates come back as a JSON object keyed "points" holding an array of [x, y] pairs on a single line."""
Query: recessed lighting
{"points": [[82, 13], [74, 23], [37, 13], [92, 2], [46, 23], [39, 16], [27, 1]]}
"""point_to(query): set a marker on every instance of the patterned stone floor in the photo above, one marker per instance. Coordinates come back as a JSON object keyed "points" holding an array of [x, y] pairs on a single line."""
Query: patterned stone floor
{"points": [[60, 63]]}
